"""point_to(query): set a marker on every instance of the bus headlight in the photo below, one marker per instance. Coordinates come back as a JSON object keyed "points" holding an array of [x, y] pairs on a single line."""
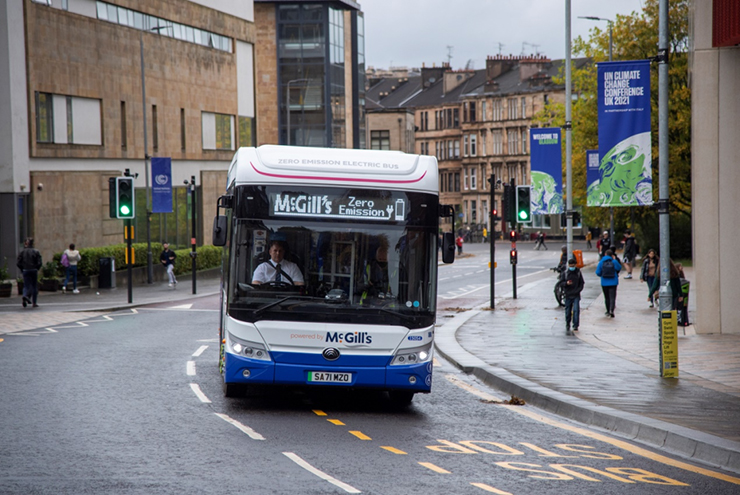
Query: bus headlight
{"points": [[252, 350], [414, 355]]}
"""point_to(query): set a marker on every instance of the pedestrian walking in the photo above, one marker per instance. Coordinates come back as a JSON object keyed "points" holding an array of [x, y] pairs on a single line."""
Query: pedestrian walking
{"points": [[648, 273], [629, 252], [29, 262], [674, 280], [608, 269], [459, 244], [588, 240], [70, 258], [605, 244], [572, 282], [168, 260]]}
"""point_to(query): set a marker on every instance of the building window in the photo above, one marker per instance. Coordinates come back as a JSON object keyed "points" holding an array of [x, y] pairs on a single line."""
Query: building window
{"points": [[497, 114], [68, 120], [155, 129], [524, 141], [473, 147], [524, 107], [512, 108], [483, 111], [246, 131], [456, 118], [498, 148], [218, 131], [465, 211], [483, 139], [123, 125], [380, 140], [457, 182], [465, 145], [472, 112], [473, 178], [182, 130], [456, 144], [473, 211], [512, 136], [44, 118], [465, 179]]}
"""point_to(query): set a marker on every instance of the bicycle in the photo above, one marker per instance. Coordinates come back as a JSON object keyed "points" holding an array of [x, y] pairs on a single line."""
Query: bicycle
{"points": [[558, 289]]}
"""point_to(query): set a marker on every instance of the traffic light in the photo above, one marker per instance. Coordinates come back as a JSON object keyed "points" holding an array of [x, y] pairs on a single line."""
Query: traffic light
{"points": [[523, 204], [513, 256], [509, 203], [512, 236], [494, 215], [125, 197]]}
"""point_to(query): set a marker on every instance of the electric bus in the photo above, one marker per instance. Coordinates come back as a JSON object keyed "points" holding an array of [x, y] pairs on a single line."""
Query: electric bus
{"points": [[329, 274]]}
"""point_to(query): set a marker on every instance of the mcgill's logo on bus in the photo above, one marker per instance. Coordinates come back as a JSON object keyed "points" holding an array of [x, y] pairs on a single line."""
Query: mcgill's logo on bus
{"points": [[349, 337], [302, 203]]}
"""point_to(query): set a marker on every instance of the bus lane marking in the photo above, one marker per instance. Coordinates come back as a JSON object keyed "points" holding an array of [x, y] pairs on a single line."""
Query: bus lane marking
{"points": [[360, 435], [335, 422], [434, 467], [490, 489], [199, 393], [190, 368], [298, 460], [319, 412], [245, 429], [621, 444], [393, 450], [200, 351]]}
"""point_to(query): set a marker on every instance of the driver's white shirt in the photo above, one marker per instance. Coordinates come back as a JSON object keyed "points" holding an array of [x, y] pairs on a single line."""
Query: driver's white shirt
{"points": [[266, 272]]}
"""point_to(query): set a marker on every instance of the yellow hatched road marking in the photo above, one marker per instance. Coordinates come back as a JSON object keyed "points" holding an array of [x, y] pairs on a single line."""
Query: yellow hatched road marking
{"points": [[603, 438], [319, 412], [394, 450], [434, 468], [360, 435], [335, 422], [491, 489]]}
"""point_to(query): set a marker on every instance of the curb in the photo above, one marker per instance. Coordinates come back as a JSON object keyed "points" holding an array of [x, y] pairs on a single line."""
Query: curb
{"points": [[695, 445]]}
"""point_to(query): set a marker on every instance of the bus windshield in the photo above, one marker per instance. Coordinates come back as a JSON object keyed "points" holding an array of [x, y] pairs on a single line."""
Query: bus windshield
{"points": [[334, 270]]}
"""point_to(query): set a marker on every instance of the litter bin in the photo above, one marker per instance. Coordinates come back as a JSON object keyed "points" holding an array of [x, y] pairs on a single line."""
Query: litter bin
{"points": [[107, 274]]}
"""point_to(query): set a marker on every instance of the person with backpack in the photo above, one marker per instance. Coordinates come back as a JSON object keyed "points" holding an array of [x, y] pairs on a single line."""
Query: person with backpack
{"points": [[572, 283], [70, 258], [608, 269], [630, 251]]}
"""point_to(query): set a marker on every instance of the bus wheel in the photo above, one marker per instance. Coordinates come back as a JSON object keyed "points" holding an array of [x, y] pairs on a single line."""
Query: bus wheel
{"points": [[234, 389], [401, 397]]}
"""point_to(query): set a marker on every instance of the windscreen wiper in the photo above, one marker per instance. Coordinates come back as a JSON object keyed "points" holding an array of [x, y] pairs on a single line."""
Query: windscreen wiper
{"points": [[280, 301]]}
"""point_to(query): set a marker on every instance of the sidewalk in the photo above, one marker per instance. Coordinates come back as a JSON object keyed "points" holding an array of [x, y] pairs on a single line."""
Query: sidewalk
{"points": [[607, 374]]}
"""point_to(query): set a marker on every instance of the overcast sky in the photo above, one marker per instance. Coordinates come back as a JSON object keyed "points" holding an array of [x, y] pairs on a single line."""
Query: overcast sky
{"points": [[412, 32]]}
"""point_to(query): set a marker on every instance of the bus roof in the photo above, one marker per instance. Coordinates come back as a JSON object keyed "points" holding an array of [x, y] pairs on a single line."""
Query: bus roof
{"points": [[370, 169]]}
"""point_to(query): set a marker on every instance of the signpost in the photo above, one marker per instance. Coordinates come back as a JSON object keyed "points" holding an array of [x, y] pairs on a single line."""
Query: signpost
{"points": [[668, 344]]}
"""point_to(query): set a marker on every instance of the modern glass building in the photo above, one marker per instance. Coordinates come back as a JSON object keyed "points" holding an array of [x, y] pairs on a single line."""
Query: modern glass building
{"points": [[320, 73]]}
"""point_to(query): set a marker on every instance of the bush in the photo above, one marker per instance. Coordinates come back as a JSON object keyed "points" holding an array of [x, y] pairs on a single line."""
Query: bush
{"points": [[89, 265]]}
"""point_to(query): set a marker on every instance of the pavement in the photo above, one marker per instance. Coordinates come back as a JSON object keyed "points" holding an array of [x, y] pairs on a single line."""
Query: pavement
{"points": [[606, 375]]}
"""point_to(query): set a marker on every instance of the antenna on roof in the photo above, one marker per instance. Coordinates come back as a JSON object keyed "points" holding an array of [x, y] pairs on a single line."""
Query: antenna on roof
{"points": [[525, 44], [500, 46], [449, 54]]}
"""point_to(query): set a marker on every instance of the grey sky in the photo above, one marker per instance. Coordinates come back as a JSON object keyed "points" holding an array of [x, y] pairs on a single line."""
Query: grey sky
{"points": [[412, 32]]}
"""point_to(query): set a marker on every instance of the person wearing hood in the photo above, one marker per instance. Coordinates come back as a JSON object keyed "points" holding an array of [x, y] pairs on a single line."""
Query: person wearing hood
{"points": [[572, 280]]}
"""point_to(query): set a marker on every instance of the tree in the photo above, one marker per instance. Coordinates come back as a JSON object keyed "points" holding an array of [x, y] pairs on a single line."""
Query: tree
{"points": [[634, 37]]}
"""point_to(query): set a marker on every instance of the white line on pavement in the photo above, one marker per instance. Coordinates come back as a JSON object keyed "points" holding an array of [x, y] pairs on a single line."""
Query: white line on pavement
{"points": [[190, 368], [199, 393], [344, 486], [245, 429], [200, 350]]}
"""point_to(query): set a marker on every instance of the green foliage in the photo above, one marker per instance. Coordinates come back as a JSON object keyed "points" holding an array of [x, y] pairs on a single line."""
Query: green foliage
{"points": [[635, 37], [50, 270], [208, 257], [4, 274]]}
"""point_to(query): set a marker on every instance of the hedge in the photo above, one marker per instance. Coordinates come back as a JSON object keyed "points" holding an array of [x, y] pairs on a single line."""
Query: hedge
{"points": [[208, 257]]}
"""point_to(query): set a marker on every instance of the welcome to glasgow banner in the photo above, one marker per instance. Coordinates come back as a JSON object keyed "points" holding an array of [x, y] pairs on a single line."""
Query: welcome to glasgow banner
{"points": [[592, 172], [161, 185], [546, 161], [625, 172]]}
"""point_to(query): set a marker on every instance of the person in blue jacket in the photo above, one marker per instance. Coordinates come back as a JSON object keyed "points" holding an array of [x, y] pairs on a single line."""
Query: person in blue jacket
{"points": [[608, 270]]}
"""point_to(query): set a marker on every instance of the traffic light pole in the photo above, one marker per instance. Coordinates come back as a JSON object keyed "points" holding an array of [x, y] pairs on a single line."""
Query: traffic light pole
{"points": [[193, 253], [512, 236], [128, 226], [492, 239]]}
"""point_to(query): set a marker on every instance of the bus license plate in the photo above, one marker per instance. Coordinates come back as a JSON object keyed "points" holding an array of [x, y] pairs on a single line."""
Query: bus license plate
{"points": [[329, 377]]}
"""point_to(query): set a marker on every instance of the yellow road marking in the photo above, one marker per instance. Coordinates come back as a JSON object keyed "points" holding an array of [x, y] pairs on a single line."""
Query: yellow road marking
{"points": [[612, 441], [394, 450], [431, 466], [2, 340], [319, 412], [360, 435], [491, 489], [335, 422], [435, 362]]}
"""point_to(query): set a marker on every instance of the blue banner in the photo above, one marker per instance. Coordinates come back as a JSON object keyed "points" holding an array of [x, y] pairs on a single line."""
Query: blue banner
{"points": [[625, 150], [161, 185], [592, 173], [547, 170]]}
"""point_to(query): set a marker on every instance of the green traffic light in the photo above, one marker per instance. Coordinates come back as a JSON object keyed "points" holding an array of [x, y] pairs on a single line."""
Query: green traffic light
{"points": [[523, 215], [125, 210]]}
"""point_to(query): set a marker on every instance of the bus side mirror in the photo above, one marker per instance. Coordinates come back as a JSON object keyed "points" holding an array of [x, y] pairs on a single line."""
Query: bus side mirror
{"points": [[220, 223], [448, 247]]}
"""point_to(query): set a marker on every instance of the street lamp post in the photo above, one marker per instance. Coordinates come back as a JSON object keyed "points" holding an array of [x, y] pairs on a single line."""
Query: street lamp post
{"points": [[149, 267], [611, 24], [287, 104]]}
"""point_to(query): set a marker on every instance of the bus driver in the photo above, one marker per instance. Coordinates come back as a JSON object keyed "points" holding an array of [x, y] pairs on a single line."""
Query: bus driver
{"points": [[277, 269]]}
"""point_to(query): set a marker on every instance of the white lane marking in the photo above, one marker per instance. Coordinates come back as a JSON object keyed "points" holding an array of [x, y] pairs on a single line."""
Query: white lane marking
{"points": [[344, 486], [52, 330], [465, 293], [182, 306], [200, 350], [190, 369], [208, 340], [245, 429], [199, 393]]}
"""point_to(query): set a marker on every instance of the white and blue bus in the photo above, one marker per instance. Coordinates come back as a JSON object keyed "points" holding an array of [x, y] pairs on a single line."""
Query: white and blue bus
{"points": [[330, 269]]}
